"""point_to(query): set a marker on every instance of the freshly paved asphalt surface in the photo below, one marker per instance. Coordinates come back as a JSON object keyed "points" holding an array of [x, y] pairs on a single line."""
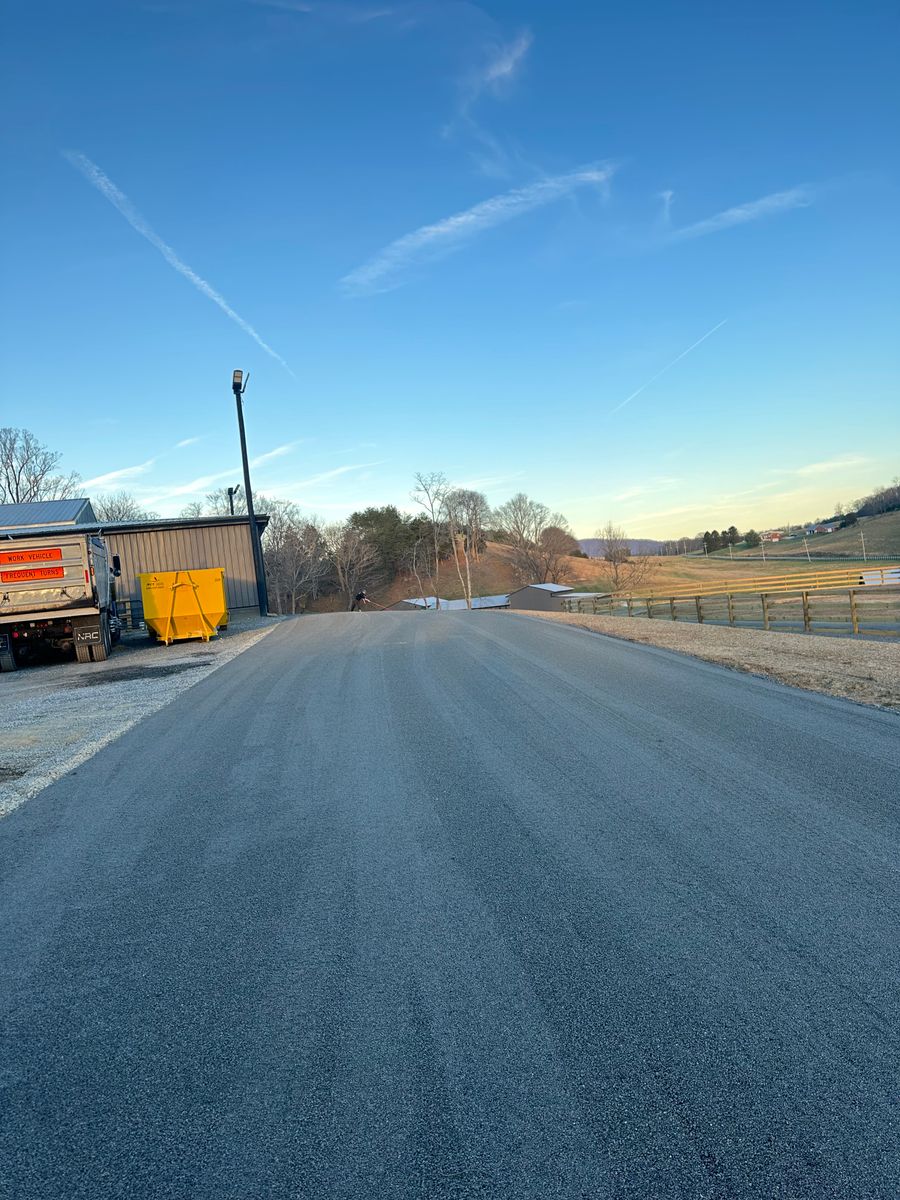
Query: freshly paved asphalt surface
{"points": [[419, 905]]}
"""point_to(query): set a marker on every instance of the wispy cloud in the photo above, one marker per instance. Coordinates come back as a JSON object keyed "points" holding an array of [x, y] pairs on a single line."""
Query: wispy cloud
{"points": [[661, 484], [278, 452], [191, 441], [493, 75], [667, 367], [349, 13], [503, 65], [767, 206], [325, 476], [488, 482], [113, 478], [667, 197], [119, 200], [196, 487], [834, 464], [380, 272]]}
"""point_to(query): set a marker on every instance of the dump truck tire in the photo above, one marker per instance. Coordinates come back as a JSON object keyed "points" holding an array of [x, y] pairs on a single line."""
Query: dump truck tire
{"points": [[100, 650], [82, 652], [8, 661]]}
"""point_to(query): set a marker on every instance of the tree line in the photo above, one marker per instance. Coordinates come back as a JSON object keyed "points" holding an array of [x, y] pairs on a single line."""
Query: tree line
{"points": [[446, 534]]}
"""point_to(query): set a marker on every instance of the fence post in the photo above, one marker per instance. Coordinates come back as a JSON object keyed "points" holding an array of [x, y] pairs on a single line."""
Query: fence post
{"points": [[854, 616], [699, 610], [672, 608], [730, 609], [628, 604], [806, 622], [765, 608], [650, 607]]}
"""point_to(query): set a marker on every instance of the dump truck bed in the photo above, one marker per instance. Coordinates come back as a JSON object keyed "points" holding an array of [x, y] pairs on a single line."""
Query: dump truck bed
{"points": [[52, 574]]}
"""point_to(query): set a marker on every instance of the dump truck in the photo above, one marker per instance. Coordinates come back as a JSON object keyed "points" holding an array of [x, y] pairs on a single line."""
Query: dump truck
{"points": [[57, 591]]}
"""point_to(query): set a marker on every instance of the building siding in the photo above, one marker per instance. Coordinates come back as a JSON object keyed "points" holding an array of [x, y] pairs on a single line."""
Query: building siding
{"points": [[537, 600], [145, 550]]}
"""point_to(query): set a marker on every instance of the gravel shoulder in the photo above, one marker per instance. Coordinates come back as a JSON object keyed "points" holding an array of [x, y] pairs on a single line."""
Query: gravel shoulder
{"points": [[865, 671], [54, 718]]}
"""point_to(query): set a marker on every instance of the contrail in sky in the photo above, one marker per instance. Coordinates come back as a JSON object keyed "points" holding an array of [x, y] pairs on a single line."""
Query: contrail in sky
{"points": [[376, 274], [119, 200], [663, 370]]}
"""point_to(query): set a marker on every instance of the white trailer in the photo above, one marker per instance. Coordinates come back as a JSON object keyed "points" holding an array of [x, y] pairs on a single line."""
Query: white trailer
{"points": [[57, 590]]}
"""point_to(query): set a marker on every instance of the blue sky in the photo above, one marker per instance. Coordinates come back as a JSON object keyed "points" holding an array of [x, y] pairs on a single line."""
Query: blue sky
{"points": [[639, 261]]}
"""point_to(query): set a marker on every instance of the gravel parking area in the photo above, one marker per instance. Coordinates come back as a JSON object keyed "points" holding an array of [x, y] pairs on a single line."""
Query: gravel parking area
{"points": [[865, 671], [53, 718]]}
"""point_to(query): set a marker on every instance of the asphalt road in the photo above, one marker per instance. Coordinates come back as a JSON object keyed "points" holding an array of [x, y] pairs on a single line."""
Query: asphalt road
{"points": [[449, 905]]}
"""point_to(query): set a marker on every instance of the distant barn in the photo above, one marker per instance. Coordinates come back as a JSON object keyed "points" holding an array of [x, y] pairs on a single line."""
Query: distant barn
{"points": [[539, 597]]}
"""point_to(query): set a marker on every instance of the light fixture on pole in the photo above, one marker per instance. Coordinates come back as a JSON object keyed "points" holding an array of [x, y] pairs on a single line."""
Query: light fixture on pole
{"points": [[239, 386], [232, 492]]}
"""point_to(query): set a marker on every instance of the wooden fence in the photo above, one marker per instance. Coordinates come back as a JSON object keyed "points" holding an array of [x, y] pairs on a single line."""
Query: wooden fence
{"points": [[863, 601]]}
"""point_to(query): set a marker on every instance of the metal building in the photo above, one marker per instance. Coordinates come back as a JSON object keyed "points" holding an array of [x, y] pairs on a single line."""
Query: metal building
{"points": [[41, 514], [420, 603], [181, 543], [539, 597]]}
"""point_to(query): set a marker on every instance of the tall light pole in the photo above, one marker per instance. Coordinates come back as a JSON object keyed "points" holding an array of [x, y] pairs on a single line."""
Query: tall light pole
{"points": [[239, 386]]}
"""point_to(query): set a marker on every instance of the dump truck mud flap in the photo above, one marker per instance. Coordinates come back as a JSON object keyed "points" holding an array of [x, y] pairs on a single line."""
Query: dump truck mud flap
{"points": [[7, 658], [92, 640]]}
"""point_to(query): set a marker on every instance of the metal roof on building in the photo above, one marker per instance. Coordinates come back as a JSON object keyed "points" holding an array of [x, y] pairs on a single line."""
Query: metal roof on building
{"points": [[41, 513], [428, 602], [544, 587], [92, 525]]}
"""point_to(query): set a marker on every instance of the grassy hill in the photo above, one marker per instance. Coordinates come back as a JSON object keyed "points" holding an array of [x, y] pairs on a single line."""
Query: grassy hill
{"points": [[882, 536], [495, 573]]}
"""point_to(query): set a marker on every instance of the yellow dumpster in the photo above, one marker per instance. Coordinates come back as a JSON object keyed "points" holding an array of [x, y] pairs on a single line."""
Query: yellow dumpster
{"points": [[184, 604]]}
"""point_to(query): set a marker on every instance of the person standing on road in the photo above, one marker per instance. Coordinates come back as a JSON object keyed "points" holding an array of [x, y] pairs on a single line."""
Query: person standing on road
{"points": [[360, 600]]}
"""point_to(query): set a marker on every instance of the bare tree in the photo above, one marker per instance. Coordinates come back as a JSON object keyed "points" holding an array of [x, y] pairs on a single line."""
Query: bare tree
{"points": [[533, 532], [120, 506], [415, 563], [625, 572], [28, 470], [555, 549], [353, 559], [454, 510], [417, 560], [218, 504], [430, 491], [475, 513], [296, 556]]}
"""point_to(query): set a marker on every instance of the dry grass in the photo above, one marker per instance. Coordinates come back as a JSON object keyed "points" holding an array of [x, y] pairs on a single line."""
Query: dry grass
{"points": [[865, 671], [495, 574], [882, 536]]}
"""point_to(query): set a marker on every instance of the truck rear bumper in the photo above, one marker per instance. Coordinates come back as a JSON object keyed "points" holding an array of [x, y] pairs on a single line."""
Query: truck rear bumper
{"points": [[46, 614]]}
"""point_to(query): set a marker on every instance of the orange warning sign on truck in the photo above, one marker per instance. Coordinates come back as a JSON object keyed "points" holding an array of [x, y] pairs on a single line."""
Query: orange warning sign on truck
{"points": [[12, 558], [32, 573]]}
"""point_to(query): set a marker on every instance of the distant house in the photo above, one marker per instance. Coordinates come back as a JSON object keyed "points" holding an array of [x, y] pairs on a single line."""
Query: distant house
{"points": [[827, 527], [772, 535], [539, 597]]}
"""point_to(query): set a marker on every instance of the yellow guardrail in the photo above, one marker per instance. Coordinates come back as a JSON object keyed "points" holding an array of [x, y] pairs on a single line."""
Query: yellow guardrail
{"points": [[796, 581]]}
